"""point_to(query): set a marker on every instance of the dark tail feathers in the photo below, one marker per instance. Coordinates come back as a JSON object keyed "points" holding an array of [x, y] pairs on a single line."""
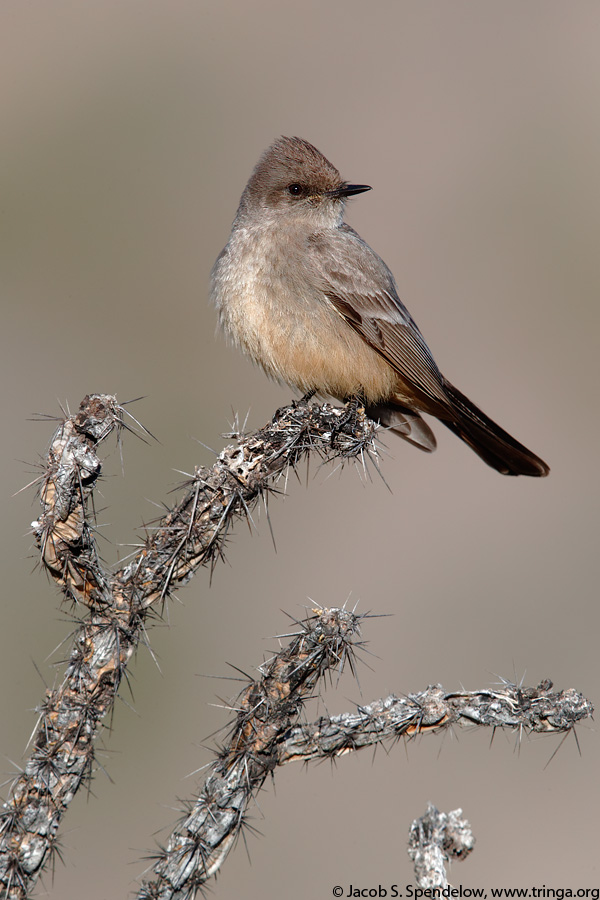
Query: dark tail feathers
{"points": [[494, 445]]}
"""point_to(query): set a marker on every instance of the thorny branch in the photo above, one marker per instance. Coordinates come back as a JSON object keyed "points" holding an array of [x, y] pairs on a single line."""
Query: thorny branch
{"points": [[119, 604], [191, 534], [267, 709], [434, 839], [533, 709], [264, 737]]}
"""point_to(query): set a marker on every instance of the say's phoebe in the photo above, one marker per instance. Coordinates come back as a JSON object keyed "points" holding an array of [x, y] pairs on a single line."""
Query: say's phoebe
{"points": [[301, 292]]}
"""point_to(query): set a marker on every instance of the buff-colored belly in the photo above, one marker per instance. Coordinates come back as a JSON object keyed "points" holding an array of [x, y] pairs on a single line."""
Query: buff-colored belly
{"points": [[306, 343]]}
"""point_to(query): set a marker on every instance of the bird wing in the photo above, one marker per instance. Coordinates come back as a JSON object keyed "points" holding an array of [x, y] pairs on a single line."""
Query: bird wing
{"points": [[363, 291]]}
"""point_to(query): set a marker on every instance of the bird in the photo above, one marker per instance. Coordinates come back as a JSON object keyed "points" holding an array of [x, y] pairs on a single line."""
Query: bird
{"points": [[299, 291]]}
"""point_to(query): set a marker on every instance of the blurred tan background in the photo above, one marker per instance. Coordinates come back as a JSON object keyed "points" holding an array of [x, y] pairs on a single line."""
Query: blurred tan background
{"points": [[128, 133]]}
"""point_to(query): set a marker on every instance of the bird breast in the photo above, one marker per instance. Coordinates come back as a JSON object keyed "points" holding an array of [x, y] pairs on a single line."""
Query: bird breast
{"points": [[271, 309]]}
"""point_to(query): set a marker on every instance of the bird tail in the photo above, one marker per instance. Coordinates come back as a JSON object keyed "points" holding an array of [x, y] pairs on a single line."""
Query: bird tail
{"points": [[406, 423], [494, 445]]}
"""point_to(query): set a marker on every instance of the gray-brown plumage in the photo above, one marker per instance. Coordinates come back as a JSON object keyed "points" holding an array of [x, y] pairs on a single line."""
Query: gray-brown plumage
{"points": [[301, 292]]}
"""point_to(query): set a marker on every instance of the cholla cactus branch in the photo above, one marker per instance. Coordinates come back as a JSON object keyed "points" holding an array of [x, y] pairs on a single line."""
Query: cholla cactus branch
{"points": [[267, 708], [531, 709], [118, 603], [193, 532], [72, 468], [265, 737], [434, 839]]}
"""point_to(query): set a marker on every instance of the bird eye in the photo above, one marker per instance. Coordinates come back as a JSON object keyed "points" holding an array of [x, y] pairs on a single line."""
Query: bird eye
{"points": [[295, 189]]}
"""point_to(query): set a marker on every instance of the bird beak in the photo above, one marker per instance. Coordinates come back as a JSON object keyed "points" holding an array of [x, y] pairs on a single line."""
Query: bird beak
{"points": [[347, 190]]}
